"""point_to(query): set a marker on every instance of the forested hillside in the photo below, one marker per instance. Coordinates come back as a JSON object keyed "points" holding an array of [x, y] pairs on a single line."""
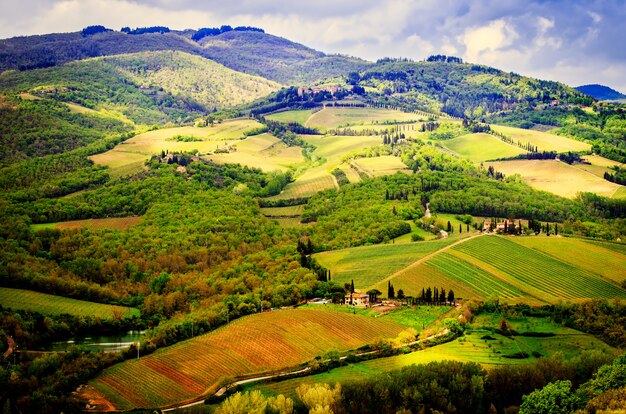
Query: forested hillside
{"points": [[251, 52]]}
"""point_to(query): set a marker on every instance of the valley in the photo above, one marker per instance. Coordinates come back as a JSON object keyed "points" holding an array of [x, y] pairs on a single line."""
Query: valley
{"points": [[270, 218]]}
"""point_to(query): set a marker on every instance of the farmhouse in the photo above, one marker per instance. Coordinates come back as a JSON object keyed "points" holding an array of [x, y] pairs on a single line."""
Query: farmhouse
{"points": [[357, 299]]}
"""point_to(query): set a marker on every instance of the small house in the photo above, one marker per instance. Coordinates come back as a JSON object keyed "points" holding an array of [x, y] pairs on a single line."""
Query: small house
{"points": [[357, 299]]}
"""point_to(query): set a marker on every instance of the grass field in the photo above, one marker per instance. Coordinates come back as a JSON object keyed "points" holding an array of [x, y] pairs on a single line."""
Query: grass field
{"points": [[369, 264], [299, 117], [481, 147], [542, 140], [20, 299], [120, 223], [470, 348], [557, 177], [250, 345], [378, 166], [141, 147], [332, 117]]}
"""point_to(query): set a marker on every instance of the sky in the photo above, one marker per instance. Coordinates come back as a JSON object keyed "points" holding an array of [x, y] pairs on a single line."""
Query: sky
{"points": [[573, 41]]}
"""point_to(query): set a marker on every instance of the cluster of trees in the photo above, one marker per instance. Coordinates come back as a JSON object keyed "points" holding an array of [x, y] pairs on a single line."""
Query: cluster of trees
{"points": [[436, 296], [617, 177], [444, 58], [92, 30], [144, 30], [215, 31]]}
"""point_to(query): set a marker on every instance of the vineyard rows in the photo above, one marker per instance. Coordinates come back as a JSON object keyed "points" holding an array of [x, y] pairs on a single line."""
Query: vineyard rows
{"points": [[250, 345], [19, 299], [538, 273]]}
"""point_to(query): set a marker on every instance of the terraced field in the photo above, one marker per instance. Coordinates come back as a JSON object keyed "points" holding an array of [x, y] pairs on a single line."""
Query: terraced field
{"points": [[542, 140], [481, 147], [369, 264], [20, 299], [250, 345]]}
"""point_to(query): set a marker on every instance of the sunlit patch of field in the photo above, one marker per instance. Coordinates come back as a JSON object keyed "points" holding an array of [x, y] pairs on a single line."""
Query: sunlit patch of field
{"points": [[119, 223], [481, 147], [333, 117], [557, 177], [542, 140], [143, 146], [299, 117], [378, 166]]}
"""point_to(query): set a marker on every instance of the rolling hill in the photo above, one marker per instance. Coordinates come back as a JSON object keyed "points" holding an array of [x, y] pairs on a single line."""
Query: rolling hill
{"points": [[601, 92], [254, 53]]}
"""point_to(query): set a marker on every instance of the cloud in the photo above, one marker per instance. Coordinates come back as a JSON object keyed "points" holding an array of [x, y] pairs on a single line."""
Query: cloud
{"points": [[575, 41]]}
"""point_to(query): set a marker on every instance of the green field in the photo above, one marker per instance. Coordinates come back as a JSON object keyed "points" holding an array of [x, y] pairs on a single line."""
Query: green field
{"points": [[140, 148], [369, 264], [481, 147], [469, 348], [535, 270], [378, 166], [250, 345], [20, 299], [542, 140], [557, 177], [299, 117], [537, 274], [334, 117], [590, 257]]}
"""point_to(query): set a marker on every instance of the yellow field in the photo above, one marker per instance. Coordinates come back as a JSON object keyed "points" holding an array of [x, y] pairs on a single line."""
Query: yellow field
{"points": [[142, 147], [542, 140], [378, 166], [482, 147], [276, 156], [601, 161], [352, 175], [331, 149], [332, 117], [557, 177]]}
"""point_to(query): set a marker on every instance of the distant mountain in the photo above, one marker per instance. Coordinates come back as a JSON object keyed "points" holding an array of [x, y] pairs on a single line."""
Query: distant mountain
{"points": [[254, 53], [601, 92]]}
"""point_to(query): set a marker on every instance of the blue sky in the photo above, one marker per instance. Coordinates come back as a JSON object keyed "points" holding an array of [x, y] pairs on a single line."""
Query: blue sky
{"points": [[576, 42]]}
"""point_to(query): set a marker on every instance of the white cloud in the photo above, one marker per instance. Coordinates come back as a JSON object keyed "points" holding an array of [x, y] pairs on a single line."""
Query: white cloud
{"points": [[485, 42], [525, 36]]}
